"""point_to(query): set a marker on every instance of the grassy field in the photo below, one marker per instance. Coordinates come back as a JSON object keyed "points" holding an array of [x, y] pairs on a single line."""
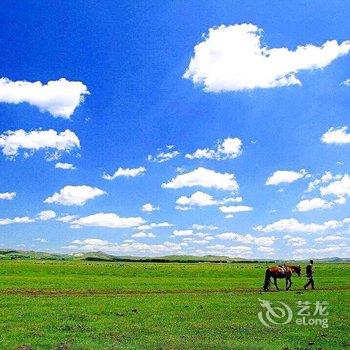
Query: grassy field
{"points": [[129, 306]]}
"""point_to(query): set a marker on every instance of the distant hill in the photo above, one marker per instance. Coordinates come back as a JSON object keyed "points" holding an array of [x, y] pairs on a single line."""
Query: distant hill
{"points": [[334, 259], [11, 254], [204, 258], [30, 255], [92, 256]]}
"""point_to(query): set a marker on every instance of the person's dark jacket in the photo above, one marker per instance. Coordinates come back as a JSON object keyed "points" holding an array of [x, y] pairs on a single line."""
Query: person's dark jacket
{"points": [[309, 271]]}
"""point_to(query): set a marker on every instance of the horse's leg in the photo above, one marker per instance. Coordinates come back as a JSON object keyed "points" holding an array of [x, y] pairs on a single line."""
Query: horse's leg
{"points": [[288, 281], [275, 282]]}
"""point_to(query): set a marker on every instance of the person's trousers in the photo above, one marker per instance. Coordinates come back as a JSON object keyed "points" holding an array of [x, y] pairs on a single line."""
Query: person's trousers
{"points": [[310, 282]]}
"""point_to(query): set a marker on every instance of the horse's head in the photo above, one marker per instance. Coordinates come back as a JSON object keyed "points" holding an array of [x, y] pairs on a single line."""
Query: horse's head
{"points": [[297, 270]]}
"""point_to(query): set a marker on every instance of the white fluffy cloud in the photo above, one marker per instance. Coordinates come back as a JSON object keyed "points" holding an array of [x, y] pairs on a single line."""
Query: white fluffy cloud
{"points": [[65, 166], [127, 172], [164, 156], [230, 148], [325, 252], [233, 58], [155, 225], [74, 195], [314, 203], [143, 235], [182, 233], [231, 251], [12, 141], [325, 178], [199, 198], [339, 188], [46, 215], [126, 248], [110, 220], [7, 195], [233, 209], [59, 97], [205, 178], [202, 199], [149, 208], [338, 136], [330, 238], [198, 238], [285, 176], [267, 250], [293, 225], [295, 241], [247, 239], [16, 220], [204, 227], [67, 218]]}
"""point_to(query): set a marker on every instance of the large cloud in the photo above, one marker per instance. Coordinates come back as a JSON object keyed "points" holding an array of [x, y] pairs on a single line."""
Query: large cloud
{"points": [[339, 188], [74, 195], [12, 141], [16, 220], [295, 241], [247, 239], [233, 209], [205, 178], [143, 235], [232, 58], [329, 238], [231, 251], [338, 250], [285, 176], [293, 225], [182, 233], [229, 148], [326, 177], [126, 248], [110, 220], [59, 97], [338, 136], [7, 195], [46, 215], [199, 198], [149, 208], [202, 199], [313, 203]]}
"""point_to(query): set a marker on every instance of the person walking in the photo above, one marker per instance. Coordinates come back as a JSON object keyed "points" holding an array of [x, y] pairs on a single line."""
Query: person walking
{"points": [[310, 275]]}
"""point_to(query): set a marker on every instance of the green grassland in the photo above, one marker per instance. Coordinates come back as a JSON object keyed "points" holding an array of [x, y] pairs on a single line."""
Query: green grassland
{"points": [[80, 305]]}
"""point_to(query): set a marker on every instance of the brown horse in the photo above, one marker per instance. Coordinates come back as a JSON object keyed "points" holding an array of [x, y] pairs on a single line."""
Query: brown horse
{"points": [[280, 271]]}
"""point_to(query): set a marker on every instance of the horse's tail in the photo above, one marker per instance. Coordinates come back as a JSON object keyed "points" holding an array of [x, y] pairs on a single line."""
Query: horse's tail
{"points": [[267, 280]]}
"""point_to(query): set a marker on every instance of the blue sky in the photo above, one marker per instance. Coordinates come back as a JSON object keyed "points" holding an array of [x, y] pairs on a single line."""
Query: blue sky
{"points": [[118, 84]]}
